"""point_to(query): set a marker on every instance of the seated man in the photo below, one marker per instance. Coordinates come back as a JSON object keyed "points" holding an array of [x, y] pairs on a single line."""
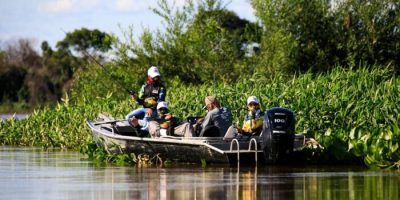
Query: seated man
{"points": [[214, 124], [163, 124], [217, 121], [254, 118]]}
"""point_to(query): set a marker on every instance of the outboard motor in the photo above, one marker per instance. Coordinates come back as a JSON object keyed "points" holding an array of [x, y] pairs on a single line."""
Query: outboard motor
{"points": [[278, 134]]}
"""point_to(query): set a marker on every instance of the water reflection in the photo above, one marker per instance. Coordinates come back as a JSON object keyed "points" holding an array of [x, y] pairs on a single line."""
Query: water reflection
{"points": [[36, 174]]}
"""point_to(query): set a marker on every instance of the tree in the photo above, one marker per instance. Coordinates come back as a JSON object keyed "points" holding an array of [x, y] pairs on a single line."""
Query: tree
{"points": [[59, 66], [24, 77], [63, 62], [370, 31], [298, 35], [85, 41], [11, 79], [201, 42], [215, 40], [315, 35], [27, 76]]}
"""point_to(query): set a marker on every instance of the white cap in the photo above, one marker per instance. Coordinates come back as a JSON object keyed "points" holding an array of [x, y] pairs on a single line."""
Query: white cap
{"points": [[162, 104], [153, 72], [252, 99]]}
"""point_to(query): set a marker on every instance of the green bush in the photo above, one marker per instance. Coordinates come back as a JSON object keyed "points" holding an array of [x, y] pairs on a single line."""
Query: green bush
{"points": [[353, 114]]}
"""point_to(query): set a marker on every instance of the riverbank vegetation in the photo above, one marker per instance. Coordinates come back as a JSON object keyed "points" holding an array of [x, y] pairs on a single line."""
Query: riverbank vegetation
{"points": [[352, 113], [334, 64]]}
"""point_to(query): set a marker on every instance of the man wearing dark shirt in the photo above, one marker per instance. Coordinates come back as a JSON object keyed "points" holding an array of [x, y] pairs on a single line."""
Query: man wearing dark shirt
{"points": [[218, 119]]}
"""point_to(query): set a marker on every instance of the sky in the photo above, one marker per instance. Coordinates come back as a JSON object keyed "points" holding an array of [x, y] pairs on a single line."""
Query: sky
{"points": [[49, 20]]}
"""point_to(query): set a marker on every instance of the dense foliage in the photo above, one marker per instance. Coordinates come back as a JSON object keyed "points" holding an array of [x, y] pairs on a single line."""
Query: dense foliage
{"points": [[334, 63], [202, 41], [200, 44], [35, 80], [317, 35], [353, 114]]}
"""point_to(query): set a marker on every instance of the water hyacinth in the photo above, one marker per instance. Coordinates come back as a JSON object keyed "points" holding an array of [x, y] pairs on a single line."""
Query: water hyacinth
{"points": [[352, 113]]}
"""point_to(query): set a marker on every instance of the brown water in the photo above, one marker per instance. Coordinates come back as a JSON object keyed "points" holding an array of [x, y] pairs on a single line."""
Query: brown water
{"points": [[31, 173]]}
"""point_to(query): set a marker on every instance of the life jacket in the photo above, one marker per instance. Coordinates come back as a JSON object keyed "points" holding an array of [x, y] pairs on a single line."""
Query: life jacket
{"points": [[164, 123], [151, 94], [247, 125]]}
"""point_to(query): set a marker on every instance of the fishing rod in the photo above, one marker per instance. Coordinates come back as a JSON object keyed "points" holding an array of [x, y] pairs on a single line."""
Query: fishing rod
{"points": [[131, 92], [110, 122]]}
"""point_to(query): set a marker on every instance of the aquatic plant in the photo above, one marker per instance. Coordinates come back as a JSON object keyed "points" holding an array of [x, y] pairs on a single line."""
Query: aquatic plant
{"points": [[99, 154], [352, 113]]}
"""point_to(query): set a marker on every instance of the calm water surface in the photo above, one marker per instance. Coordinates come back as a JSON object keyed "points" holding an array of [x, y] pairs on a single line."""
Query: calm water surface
{"points": [[31, 173]]}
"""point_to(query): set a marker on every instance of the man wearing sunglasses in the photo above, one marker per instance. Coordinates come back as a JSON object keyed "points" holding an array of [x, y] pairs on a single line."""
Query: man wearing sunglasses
{"points": [[254, 118], [218, 119]]}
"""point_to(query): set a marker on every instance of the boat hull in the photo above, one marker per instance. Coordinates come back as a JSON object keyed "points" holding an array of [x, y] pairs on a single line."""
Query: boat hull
{"points": [[181, 149]]}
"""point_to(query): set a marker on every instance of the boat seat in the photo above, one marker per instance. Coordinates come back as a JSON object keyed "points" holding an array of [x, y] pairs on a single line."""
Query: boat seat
{"points": [[125, 128], [211, 132], [230, 133]]}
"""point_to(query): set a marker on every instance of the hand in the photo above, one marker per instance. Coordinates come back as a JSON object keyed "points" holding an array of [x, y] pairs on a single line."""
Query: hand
{"points": [[245, 129], [164, 125], [167, 116], [252, 114], [200, 120], [134, 97], [134, 121]]}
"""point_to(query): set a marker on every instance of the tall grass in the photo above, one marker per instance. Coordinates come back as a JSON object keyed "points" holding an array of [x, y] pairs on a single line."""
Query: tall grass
{"points": [[352, 113]]}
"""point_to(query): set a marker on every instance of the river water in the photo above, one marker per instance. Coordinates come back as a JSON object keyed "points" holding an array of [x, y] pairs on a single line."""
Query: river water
{"points": [[33, 173]]}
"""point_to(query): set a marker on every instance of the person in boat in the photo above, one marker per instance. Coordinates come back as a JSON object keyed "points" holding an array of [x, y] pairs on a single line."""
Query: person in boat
{"points": [[254, 118], [149, 94], [217, 121], [163, 124], [253, 121]]}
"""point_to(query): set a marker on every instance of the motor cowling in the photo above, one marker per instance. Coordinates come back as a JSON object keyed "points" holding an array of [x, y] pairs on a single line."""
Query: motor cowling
{"points": [[278, 134]]}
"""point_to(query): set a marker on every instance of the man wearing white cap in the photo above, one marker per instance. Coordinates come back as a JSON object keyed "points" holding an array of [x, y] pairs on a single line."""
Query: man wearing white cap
{"points": [[149, 94], [163, 124]]}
